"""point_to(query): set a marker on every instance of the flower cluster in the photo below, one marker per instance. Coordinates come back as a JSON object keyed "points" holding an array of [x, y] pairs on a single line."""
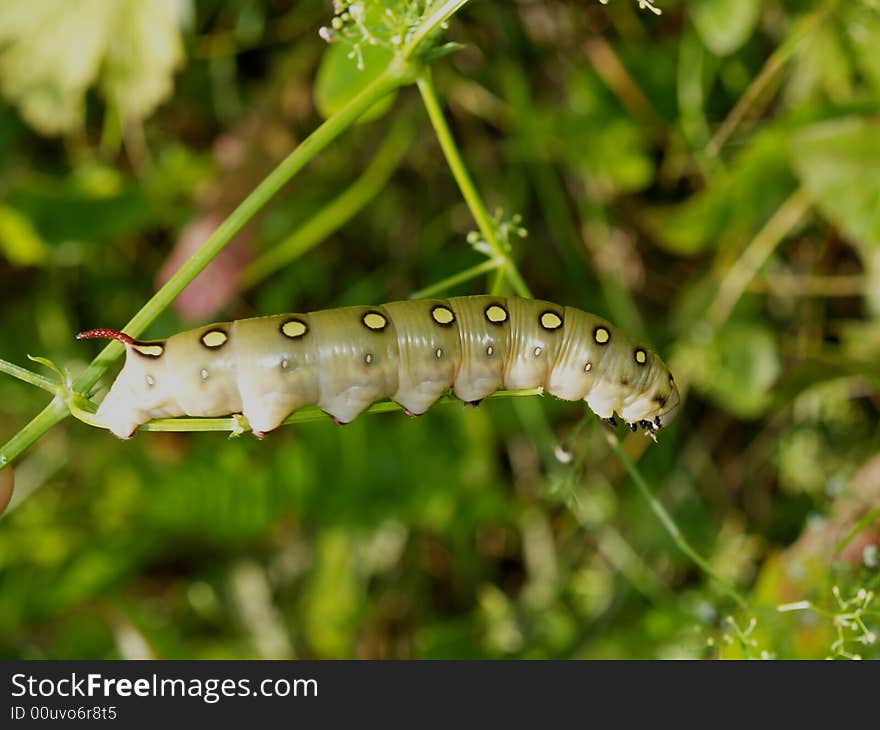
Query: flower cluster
{"points": [[360, 23]]}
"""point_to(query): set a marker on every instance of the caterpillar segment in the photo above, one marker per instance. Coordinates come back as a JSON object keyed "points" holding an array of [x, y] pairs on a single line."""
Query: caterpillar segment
{"points": [[344, 359]]}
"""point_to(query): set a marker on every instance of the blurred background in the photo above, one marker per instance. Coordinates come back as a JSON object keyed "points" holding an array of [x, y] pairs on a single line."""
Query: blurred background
{"points": [[707, 178]]}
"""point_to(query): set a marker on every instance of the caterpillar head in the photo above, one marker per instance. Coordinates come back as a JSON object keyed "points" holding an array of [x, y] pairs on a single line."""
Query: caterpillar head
{"points": [[654, 403]]}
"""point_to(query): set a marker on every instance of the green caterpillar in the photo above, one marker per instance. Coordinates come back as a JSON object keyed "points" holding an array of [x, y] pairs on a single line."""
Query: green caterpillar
{"points": [[344, 359]]}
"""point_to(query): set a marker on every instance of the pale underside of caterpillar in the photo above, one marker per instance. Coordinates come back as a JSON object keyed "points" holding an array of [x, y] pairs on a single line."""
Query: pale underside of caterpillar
{"points": [[344, 359]]}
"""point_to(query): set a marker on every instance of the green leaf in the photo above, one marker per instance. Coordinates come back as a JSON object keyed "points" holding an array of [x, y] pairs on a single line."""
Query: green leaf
{"points": [[143, 50], [861, 30], [839, 164], [725, 25], [19, 240], [839, 57], [734, 205], [340, 78], [46, 362], [440, 51], [80, 208], [737, 367], [595, 138], [53, 50]]}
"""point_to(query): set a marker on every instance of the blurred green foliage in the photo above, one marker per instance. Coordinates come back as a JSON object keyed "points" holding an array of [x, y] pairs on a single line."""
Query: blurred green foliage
{"points": [[706, 178]]}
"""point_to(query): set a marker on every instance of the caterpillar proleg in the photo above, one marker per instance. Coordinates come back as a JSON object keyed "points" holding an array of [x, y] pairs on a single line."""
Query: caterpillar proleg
{"points": [[344, 359]]}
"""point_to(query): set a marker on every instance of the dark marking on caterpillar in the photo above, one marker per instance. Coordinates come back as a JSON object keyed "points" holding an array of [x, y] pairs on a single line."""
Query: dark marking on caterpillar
{"points": [[550, 320], [294, 328], [496, 314], [375, 321], [214, 338], [443, 316], [152, 350]]}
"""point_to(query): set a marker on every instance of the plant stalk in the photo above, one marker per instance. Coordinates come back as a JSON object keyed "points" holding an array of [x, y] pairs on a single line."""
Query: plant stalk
{"points": [[669, 523], [16, 371], [466, 185]]}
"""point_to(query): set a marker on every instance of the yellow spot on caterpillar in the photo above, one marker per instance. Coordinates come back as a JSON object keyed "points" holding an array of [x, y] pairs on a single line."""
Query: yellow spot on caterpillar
{"points": [[150, 380], [439, 353], [214, 338], [368, 359], [588, 367], [641, 356], [442, 315], [538, 352], [601, 335], [551, 321], [375, 321], [294, 328], [490, 350], [284, 364], [204, 374], [496, 314], [149, 350]]}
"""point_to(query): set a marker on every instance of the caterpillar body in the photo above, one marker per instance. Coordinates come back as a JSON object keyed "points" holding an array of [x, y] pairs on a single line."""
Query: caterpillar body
{"points": [[344, 359]]}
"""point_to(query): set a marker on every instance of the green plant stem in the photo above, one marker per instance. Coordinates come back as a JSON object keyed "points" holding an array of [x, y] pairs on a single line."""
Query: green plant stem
{"points": [[83, 409], [336, 213], [863, 523], [737, 279], [775, 63], [435, 20], [466, 185], [459, 278], [55, 412], [669, 523], [16, 371], [498, 278]]}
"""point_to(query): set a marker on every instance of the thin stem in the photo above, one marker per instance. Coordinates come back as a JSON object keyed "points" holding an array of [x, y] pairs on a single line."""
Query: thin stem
{"points": [[498, 279], [55, 412], [434, 21], [466, 185], [617, 77], [775, 63], [809, 285], [669, 523], [83, 409], [459, 278], [336, 213], [862, 524], [16, 371], [757, 252]]}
